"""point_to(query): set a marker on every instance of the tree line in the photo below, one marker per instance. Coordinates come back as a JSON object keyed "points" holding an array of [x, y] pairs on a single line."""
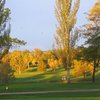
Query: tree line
{"points": [[42, 61]]}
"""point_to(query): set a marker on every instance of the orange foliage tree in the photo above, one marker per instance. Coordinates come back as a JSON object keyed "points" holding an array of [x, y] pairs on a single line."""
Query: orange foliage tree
{"points": [[28, 58], [17, 62], [82, 68], [54, 64]]}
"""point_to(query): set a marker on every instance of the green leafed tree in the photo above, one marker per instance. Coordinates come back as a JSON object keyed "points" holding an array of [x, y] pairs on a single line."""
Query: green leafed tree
{"points": [[65, 38], [91, 32], [6, 42]]}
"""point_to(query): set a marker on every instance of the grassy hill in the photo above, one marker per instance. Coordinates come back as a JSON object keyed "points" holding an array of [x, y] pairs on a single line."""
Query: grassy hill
{"points": [[32, 81], [32, 75]]}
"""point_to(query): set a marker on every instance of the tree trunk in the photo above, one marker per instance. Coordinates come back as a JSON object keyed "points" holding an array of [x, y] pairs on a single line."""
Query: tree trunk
{"points": [[19, 70], [84, 75], [93, 75], [68, 75], [28, 66]]}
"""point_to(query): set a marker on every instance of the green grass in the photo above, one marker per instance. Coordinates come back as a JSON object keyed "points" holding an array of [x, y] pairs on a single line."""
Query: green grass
{"points": [[32, 75], [31, 80], [55, 96], [47, 86]]}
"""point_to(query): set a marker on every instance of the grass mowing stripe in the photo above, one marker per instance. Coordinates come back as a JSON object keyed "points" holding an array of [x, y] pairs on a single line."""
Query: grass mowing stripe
{"points": [[55, 96], [46, 87]]}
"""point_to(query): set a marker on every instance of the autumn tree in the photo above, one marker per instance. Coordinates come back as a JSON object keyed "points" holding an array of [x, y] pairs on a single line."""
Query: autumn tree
{"points": [[6, 58], [65, 38], [17, 62], [43, 59], [28, 58], [82, 67], [37, 54], [54, 63], [46, 56], [91, 33]]}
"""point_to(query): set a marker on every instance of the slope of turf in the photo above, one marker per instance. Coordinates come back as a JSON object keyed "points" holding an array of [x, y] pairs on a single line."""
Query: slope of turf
{"points": [[47, 86], [32, 75], [32, 80], [55, 96]]}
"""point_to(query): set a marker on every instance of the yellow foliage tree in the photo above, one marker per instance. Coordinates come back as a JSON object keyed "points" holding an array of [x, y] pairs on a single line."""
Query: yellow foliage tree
{"points": [[41, 66], [6, 58], [17, 62], [54, 64], [82, 67], [28, 58], [65, 39]]}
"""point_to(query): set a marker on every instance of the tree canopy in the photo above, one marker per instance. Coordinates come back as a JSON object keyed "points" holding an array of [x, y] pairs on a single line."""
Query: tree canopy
{"points": [[6, 42]]}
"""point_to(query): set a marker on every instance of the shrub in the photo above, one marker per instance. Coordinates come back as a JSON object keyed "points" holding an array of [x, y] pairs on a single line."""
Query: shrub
{"points": [[6, 73]]}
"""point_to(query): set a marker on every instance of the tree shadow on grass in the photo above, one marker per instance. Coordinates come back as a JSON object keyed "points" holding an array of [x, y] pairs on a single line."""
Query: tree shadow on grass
{"points": [[50, 75]]}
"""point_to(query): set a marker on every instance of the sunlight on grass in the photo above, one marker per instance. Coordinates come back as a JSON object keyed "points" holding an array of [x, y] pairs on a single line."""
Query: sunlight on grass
{"points": [[48, 76], [63, 73], [98, 73], [32, 75], [29, 73]]}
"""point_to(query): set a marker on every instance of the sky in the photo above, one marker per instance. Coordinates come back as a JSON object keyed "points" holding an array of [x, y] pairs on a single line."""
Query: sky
{"points": [[34, 21]]}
